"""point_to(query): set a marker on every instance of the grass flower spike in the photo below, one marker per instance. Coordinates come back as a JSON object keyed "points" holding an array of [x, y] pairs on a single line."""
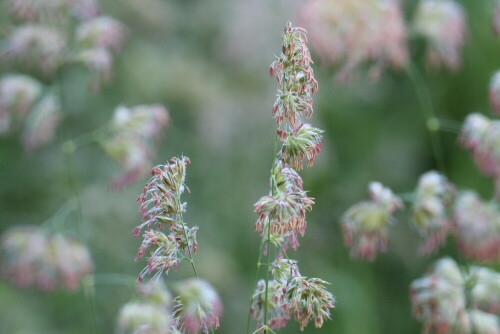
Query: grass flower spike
{"points": [[161, 207], [282, 213]]}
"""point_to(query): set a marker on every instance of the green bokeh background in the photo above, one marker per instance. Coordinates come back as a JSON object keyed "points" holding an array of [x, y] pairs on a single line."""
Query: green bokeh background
{"points": [[207, 61]]}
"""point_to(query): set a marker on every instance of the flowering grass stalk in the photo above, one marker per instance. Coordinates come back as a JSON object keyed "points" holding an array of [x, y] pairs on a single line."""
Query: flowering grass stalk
{"points": [[282, 213], [197, 307]]}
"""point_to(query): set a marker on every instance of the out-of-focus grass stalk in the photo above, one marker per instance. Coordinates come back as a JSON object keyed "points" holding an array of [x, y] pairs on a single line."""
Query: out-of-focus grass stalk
{"points": [[73, 184], [427, 108]]}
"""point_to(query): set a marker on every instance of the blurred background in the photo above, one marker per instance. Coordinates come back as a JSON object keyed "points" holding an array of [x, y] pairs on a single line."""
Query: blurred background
{"points": [[207, 62]]}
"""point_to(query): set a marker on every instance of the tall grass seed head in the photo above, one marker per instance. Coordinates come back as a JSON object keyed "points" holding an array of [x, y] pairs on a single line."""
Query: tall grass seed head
{"points": [[295, 78], [443, 24], [277, 305], [309, 300], [304, 142], [161, 206]]}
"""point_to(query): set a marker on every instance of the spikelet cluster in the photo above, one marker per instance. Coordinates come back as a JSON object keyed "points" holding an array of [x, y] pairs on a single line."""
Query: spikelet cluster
{"points": [[351, 33], [292, 295], [482, 136], [131, 142], [446, 300], [32, 257], [365, 224], [477, 227], [282, 213], [297, 85], [161, 207], [431, 209], [443, 25]]}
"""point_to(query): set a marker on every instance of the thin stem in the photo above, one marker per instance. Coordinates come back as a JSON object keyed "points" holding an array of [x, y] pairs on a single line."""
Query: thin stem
{"points": [[74, 187], [181, 220], [268, 261], [189, 249], [268, 241], [264, 328], [281, 248], [432, 122], [259, 264]]}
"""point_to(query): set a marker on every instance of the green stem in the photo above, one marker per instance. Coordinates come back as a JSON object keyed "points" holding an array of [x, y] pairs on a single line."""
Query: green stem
{"points": [[189, 250], [268, 241], [74, 187], [265, 328], [432, 122], [259, 264]]}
